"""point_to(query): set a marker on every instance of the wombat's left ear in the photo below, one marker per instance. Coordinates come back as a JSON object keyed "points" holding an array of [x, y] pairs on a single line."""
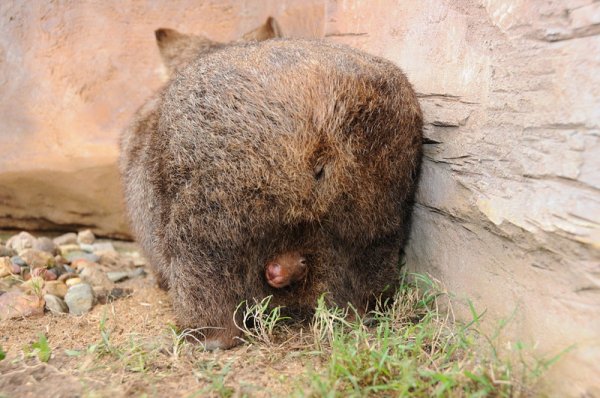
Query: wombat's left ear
{"points": [[269, 30]]}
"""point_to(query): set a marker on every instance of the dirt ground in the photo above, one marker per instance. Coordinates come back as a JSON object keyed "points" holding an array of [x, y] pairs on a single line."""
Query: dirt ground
{"points": [[145, 358]]}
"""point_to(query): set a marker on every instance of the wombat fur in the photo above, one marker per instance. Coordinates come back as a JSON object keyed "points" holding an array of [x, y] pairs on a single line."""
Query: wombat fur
{"points": [[256, 148]]}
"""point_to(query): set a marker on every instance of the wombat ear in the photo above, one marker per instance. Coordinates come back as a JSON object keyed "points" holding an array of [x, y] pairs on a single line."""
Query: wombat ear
{"points": [[269, 30], [164, 36]]}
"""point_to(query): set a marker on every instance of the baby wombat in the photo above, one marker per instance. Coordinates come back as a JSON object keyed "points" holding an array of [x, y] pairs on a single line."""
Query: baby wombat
{"points": [[262, 147], [286, 269]]}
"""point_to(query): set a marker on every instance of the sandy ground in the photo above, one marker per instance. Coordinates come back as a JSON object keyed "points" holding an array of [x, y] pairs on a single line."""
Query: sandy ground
{"points": [[145, 361]]}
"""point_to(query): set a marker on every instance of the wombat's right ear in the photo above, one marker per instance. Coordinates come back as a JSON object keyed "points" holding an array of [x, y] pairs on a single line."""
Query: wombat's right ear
{"points": [[269, 30], [165, 36]]}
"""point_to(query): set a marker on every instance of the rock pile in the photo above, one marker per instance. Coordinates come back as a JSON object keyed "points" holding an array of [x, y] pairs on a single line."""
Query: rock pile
{"points": [[67, 274]]}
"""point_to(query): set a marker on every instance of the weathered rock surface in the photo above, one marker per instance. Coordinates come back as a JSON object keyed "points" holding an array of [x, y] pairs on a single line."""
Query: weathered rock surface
{"points": [[508, 210], [55, 304]]}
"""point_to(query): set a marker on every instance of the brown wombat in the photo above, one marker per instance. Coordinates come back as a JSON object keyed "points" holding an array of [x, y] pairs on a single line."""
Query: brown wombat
{"points": [[262, 147]]}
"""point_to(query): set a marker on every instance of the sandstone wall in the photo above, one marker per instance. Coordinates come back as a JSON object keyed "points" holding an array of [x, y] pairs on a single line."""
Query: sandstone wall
{"points": [[508, 210]]}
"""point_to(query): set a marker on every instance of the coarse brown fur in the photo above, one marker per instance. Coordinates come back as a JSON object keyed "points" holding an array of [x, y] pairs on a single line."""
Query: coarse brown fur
{"points": [[258, 148]]}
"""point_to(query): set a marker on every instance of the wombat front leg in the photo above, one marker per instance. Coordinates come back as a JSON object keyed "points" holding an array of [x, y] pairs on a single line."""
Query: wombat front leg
{"points": [[285, 269], [206, 301]]}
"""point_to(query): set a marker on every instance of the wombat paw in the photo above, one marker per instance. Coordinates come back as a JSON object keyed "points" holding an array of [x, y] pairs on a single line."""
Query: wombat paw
{"points": [[216, 343]]}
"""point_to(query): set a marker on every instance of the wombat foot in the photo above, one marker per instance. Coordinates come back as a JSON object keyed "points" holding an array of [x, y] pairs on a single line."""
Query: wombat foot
{"points": [[286, 269]]}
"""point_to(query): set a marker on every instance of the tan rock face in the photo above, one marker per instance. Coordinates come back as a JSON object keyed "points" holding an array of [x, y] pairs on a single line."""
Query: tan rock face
{"points": [[508, 213]]}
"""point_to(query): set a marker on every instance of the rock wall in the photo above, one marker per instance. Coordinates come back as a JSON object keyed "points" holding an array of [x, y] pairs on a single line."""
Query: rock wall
{"points": [[508, 211]]}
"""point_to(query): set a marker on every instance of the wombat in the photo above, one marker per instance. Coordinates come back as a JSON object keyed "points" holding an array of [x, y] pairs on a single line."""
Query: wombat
{"points": [[259, 147]]}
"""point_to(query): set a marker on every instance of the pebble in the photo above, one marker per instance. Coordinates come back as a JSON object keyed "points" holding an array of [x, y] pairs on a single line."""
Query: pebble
{"points": [[66, 239], [46, 245], [44, 273], [86, 236], [86, 247], [73, 281], [6, 252], [82, 263], [21, 242], [16, 304], [18, 261], [55, 304], [67, 275], [37, 259], [103, 247], [80, 299], [6, 267], [117, 276], [104, 296], [60, 260], [95, 277], [34, 285], [66, 249], [56, 288], [72, 256]]}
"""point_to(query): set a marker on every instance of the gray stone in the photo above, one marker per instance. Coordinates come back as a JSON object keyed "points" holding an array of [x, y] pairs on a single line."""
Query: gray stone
{"points": [[76, 255], [18, 261], [80, 298], [103, 247], [95, 277], [37, 259], [117, 276], [55, 304], [86, 247], [46, 245], [6, 251], [86, 236], [66, 239], [21, 242]]}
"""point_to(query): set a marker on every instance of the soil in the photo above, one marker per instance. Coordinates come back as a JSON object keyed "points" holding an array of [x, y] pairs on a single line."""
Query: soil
{"points": [[142, 360]]}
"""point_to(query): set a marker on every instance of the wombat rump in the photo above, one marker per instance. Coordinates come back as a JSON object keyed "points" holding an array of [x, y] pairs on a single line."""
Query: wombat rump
{"points": [[257, 148]]}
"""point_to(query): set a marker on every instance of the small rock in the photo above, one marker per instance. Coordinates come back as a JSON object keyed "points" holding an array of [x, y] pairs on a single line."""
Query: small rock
{"points": [[86, 247], [117, 276], [137, 273], [6, 252], [80, 298], [95, 277], [18, 261], [55, 304], [103, 247], [21, 242], [44, 273], [56, 288], [46, 245], [66, 239], [37, 259], [86, 236], [68, 269], [82, 263], [67, 275], [104, 296], [66, 249], [72, 282], [60, 260], [6, 267], [15, 304], [72, 256]]}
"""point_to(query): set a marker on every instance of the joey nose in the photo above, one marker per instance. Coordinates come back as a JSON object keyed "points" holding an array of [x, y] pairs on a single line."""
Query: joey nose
{"points": [[273, 271]]}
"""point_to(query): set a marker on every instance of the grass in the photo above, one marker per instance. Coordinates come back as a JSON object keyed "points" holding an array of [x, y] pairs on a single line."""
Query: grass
{"points": [[410, 346]]}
